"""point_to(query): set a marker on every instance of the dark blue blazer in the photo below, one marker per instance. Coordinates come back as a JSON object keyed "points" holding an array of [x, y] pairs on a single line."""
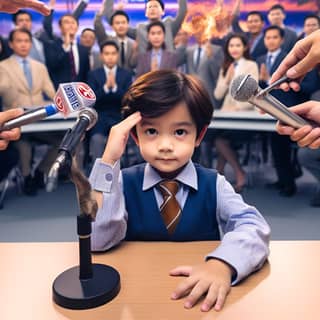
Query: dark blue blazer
{"points": [[310, 83], [198, 220], [108, 105], [58, 62]]}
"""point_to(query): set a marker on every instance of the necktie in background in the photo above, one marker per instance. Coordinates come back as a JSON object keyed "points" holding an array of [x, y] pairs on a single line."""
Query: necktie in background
{"points": [[27, 72], [122, 54], [170, 209], [198, 58], [73, 72], [269, 63]]}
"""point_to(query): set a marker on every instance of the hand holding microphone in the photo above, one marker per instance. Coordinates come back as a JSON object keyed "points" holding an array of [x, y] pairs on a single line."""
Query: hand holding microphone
{"points": [[246, 88], [70, 97]]}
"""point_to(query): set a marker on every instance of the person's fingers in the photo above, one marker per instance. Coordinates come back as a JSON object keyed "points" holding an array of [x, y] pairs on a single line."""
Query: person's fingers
{"points": [[3, 144], [13, 134], [10, 114], [305, 140], [283, 129], [315, 144], [181, 271], [183, 288], [196, 293], [210, 299], [304, 65], [128, 123], [221, 298]]}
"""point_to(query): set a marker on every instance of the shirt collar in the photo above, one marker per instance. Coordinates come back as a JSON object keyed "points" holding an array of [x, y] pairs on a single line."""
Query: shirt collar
{"points": [[156, 53], [274, 53], [187, 176], [20, 59], [107, 70]]}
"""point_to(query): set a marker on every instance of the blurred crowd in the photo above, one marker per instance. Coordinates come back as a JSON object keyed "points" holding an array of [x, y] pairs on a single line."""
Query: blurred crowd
{"points": [[34, 63]]}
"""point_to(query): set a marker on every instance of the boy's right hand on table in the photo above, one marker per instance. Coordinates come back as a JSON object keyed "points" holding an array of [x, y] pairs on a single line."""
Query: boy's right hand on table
{"points": [[118, 138]]}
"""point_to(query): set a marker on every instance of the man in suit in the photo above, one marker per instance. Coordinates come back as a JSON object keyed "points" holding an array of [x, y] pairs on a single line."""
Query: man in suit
{"points": [[154, 12], [120, 24], [23, 82], [109, 83], [281, 145], [311, 23], [88, 40], [276, 17], [68, 61]]}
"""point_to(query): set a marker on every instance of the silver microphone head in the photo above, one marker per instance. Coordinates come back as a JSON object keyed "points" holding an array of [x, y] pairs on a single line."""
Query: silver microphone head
{"points": [[243, 87], [91, 115]]}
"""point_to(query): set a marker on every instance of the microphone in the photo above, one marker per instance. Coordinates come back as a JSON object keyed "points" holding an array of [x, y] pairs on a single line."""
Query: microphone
{"points": [[246, 88], [70, 97], [86, 120]]}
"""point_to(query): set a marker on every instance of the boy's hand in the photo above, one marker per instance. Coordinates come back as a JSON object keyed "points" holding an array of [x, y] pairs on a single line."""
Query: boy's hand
{"points": [[118, 138], [211, 278]]}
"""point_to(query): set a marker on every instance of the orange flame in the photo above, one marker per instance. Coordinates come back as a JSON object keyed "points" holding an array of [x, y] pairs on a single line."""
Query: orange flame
{"points": [[205, 21]]}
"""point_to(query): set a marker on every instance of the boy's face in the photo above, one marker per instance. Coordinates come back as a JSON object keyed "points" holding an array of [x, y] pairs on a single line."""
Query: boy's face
{"points": [[272, 40], [156, 37], [120, 25], [109, 56], [168, 142], [276, 17], [154, 10]]}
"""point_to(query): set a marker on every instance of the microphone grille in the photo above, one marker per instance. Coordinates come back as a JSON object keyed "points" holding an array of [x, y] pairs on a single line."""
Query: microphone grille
{"points": [[243, 87]]}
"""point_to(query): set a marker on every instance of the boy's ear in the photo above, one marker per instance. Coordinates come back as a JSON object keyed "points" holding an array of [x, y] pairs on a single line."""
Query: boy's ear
{"points": [[201, 135], [133, 135]]}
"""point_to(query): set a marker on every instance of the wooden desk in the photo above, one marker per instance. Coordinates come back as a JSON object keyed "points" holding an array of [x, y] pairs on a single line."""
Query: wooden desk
{"points": [[285, 289]]}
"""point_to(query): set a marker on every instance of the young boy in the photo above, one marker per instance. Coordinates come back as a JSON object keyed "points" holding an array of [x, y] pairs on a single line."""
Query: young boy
{"points": [[168, 113]]}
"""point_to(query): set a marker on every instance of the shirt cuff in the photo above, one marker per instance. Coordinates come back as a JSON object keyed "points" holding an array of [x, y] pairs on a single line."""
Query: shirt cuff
{"points": [[103, 175]]}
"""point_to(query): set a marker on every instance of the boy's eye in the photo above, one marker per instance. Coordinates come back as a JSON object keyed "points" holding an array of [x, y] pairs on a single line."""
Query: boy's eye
{"points": [[180, 132], [151, 131]]}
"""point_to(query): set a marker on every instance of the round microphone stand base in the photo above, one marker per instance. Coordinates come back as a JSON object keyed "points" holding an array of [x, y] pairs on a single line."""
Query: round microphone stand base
{"points": [[73, 293]]}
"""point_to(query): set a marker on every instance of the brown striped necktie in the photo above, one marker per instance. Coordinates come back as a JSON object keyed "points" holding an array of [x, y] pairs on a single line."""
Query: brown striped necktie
{"points": [[170, 209]]}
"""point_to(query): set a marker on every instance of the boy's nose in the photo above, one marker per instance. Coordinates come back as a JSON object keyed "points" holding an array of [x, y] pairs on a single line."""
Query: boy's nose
{"points": [[165, 144]]}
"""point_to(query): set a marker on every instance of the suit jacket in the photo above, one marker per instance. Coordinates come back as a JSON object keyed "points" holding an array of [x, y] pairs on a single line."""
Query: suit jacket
{"points": [[208, 69], [139, 32], [102, 36], [59, 64], [169, 60], [222, 89], [109, 101], [309, 84], [289, 40], [14, 88]]}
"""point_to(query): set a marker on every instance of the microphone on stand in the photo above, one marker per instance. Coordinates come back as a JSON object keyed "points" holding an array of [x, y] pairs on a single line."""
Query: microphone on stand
{"points": [[86, 120], [70, 97], [246, 88]]}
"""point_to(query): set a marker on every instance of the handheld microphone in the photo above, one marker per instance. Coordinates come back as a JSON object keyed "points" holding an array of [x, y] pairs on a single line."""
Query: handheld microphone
{"points": [[246, 88], [70, 97], [86, 120]]}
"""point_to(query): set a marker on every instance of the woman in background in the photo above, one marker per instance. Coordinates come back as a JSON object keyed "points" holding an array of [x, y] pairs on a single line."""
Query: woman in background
{"points": [[236, 62]]}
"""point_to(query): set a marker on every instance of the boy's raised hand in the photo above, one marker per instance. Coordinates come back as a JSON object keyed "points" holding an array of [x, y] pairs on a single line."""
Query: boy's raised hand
{"points": [[211, 278], [118, 138]]}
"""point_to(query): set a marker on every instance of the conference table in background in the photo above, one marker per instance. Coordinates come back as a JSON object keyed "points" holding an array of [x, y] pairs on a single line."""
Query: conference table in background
{"points": [[241, 120], [286, 288]]}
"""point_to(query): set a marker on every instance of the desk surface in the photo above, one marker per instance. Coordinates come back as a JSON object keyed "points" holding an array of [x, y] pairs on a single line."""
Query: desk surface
{"points": [[287, 287]]}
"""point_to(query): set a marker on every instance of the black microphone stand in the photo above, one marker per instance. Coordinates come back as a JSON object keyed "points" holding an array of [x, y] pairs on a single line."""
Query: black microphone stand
{"points": [[87, 285]]}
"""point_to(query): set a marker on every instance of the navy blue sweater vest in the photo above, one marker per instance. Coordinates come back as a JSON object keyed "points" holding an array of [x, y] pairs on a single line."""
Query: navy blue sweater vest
{"points": [[197, 222]]}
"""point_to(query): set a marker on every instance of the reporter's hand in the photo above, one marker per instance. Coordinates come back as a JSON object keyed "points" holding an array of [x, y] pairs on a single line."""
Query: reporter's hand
{"points": [[9, 135], [307, 136], [118, 138], [12, 6], [211, 278], [303, 57]]}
